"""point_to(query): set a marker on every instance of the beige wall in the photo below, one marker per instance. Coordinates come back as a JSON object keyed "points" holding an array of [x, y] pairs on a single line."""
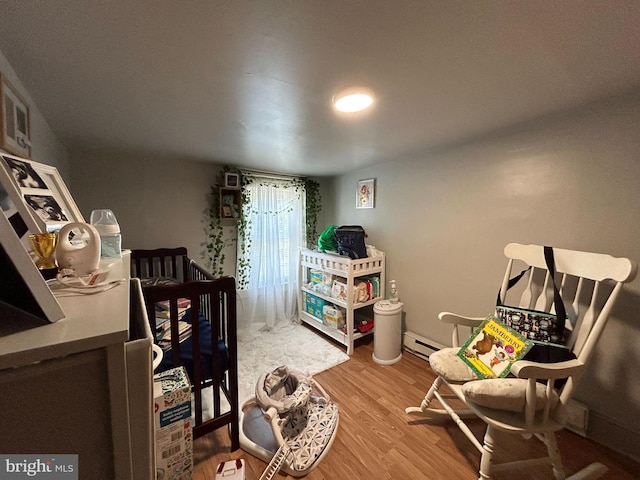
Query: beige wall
{"points": [[159, 202], [571, 181]]}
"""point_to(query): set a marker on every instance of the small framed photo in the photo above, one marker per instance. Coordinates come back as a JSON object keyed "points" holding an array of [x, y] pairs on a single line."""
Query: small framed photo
{"points": [[14, 120], [232, 180], [226, 211], [365, 193], [39, 194]]}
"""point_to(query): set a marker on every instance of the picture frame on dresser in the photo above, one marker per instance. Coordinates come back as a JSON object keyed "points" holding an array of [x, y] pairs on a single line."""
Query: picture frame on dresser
{"points": [[25, 294], [14, 120], [39, 193]]}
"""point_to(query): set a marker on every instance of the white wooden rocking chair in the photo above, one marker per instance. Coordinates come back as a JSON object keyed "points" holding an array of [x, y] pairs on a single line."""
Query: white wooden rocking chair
{"points": [[529, 404]]}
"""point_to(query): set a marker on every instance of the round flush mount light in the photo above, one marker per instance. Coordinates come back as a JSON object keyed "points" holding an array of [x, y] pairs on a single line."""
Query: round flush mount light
{"points": [[354, 99]]}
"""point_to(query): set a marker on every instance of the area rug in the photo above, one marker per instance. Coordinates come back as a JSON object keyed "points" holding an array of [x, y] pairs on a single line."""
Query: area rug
{"points": [[295, 346]]}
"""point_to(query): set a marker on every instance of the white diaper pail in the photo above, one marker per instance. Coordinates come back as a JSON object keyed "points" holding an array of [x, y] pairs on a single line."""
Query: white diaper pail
{"points": [[387, 333], [78, 248]]}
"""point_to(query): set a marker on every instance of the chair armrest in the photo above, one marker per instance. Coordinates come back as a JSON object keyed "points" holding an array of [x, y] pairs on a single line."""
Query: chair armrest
{"points": [[534, 371], [457, 321], [547, 371], [448, 317]]}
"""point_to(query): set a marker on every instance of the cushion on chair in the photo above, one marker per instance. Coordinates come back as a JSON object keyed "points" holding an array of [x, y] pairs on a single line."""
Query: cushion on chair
{"points": [[504, 394], [448, 365]]}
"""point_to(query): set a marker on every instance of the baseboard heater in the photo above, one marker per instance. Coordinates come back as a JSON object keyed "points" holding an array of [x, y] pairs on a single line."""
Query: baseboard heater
{"points": [[420, 346]]}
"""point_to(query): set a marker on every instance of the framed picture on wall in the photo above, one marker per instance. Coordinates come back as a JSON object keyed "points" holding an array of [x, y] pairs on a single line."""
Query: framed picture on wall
{"points": [[365, 193], [15, 121], [39, 194], [232, 180]]}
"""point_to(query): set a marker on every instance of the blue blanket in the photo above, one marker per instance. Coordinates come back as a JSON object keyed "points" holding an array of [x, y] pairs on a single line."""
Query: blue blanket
{"points": [[206, 352]]}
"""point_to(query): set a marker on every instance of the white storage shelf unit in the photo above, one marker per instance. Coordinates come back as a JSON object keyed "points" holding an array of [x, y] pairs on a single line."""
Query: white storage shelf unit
{"points": [[348, 270]]}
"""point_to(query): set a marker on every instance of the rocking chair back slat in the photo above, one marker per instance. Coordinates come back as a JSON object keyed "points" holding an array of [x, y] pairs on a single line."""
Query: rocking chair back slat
{"points": [[526, 301], [586, 321], [505, 281], [544, 301]]}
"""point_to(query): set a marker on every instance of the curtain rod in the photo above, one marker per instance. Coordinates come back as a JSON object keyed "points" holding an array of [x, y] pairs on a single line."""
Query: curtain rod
{"points": [[265, 174]]}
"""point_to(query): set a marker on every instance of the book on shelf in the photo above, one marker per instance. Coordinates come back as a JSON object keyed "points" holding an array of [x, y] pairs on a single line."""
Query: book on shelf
{"points": [[163, 316], [166, 314], [183, 303], [164, 336], [493, 347], [163, 322]]}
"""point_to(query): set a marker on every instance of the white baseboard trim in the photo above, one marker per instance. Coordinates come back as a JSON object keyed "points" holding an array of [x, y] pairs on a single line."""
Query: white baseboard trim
{"points": [[419, 345]]}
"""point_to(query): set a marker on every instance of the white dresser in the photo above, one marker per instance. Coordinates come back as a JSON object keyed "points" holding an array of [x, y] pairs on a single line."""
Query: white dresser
{"points": [[83, 385]]}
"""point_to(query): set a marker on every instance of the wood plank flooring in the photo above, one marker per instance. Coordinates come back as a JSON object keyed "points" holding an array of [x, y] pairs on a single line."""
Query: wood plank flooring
{"points": [[376, 440]]}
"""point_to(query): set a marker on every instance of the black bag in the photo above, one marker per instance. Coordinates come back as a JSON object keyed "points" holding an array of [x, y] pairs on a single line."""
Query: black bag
{"points": [[350, 239], [547, 330], [538, 326]]}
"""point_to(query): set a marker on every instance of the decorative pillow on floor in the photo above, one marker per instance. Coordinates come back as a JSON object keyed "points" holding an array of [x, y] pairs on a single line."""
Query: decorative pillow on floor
{"points": [[505, 394], [447, 364]]}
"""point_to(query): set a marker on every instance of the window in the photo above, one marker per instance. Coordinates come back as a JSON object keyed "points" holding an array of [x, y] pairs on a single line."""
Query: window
{"points": [[274, 232]]}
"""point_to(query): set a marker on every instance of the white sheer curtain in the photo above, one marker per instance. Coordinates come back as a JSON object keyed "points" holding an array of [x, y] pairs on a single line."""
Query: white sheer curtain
{"points": [[275, 231]]}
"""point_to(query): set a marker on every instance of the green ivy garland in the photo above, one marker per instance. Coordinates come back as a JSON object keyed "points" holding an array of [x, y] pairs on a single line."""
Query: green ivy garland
{"points": [[244, 233], [214, 228], [215, 233], [313, 206]]}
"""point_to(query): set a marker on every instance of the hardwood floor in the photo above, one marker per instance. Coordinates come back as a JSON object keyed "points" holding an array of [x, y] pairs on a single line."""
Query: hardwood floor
{"points": [[377, 440]]}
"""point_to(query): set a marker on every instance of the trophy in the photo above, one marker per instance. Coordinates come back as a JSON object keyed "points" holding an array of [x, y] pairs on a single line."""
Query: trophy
{"points": [[44, 246]]}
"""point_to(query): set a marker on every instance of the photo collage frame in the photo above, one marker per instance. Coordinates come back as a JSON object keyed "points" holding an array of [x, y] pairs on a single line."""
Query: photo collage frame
{"points": [[33, 199], [38, 193]]}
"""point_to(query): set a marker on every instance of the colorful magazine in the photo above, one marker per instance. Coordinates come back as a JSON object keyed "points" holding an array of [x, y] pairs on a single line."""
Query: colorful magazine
{"points": [[493, 347]]}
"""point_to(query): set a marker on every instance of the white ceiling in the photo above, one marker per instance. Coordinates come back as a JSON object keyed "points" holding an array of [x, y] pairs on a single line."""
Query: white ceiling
{"points": [[249, 82]]}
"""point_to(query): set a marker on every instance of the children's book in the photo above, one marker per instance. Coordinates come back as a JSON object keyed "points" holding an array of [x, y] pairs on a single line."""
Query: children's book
{"points": [[493, 347], [183, 303], [164, 336]]}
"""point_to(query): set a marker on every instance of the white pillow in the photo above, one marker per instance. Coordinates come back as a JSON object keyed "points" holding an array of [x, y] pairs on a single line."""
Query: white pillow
{"points": [[505, 393], [446, 363]]}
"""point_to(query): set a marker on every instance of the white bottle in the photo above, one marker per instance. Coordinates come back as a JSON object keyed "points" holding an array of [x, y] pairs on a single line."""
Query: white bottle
{"points": [[393, 292], [107, 226]]}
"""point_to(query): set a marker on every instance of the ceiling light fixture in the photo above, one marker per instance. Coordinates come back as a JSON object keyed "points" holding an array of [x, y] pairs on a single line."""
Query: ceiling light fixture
{"points": [[353, 99]]}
